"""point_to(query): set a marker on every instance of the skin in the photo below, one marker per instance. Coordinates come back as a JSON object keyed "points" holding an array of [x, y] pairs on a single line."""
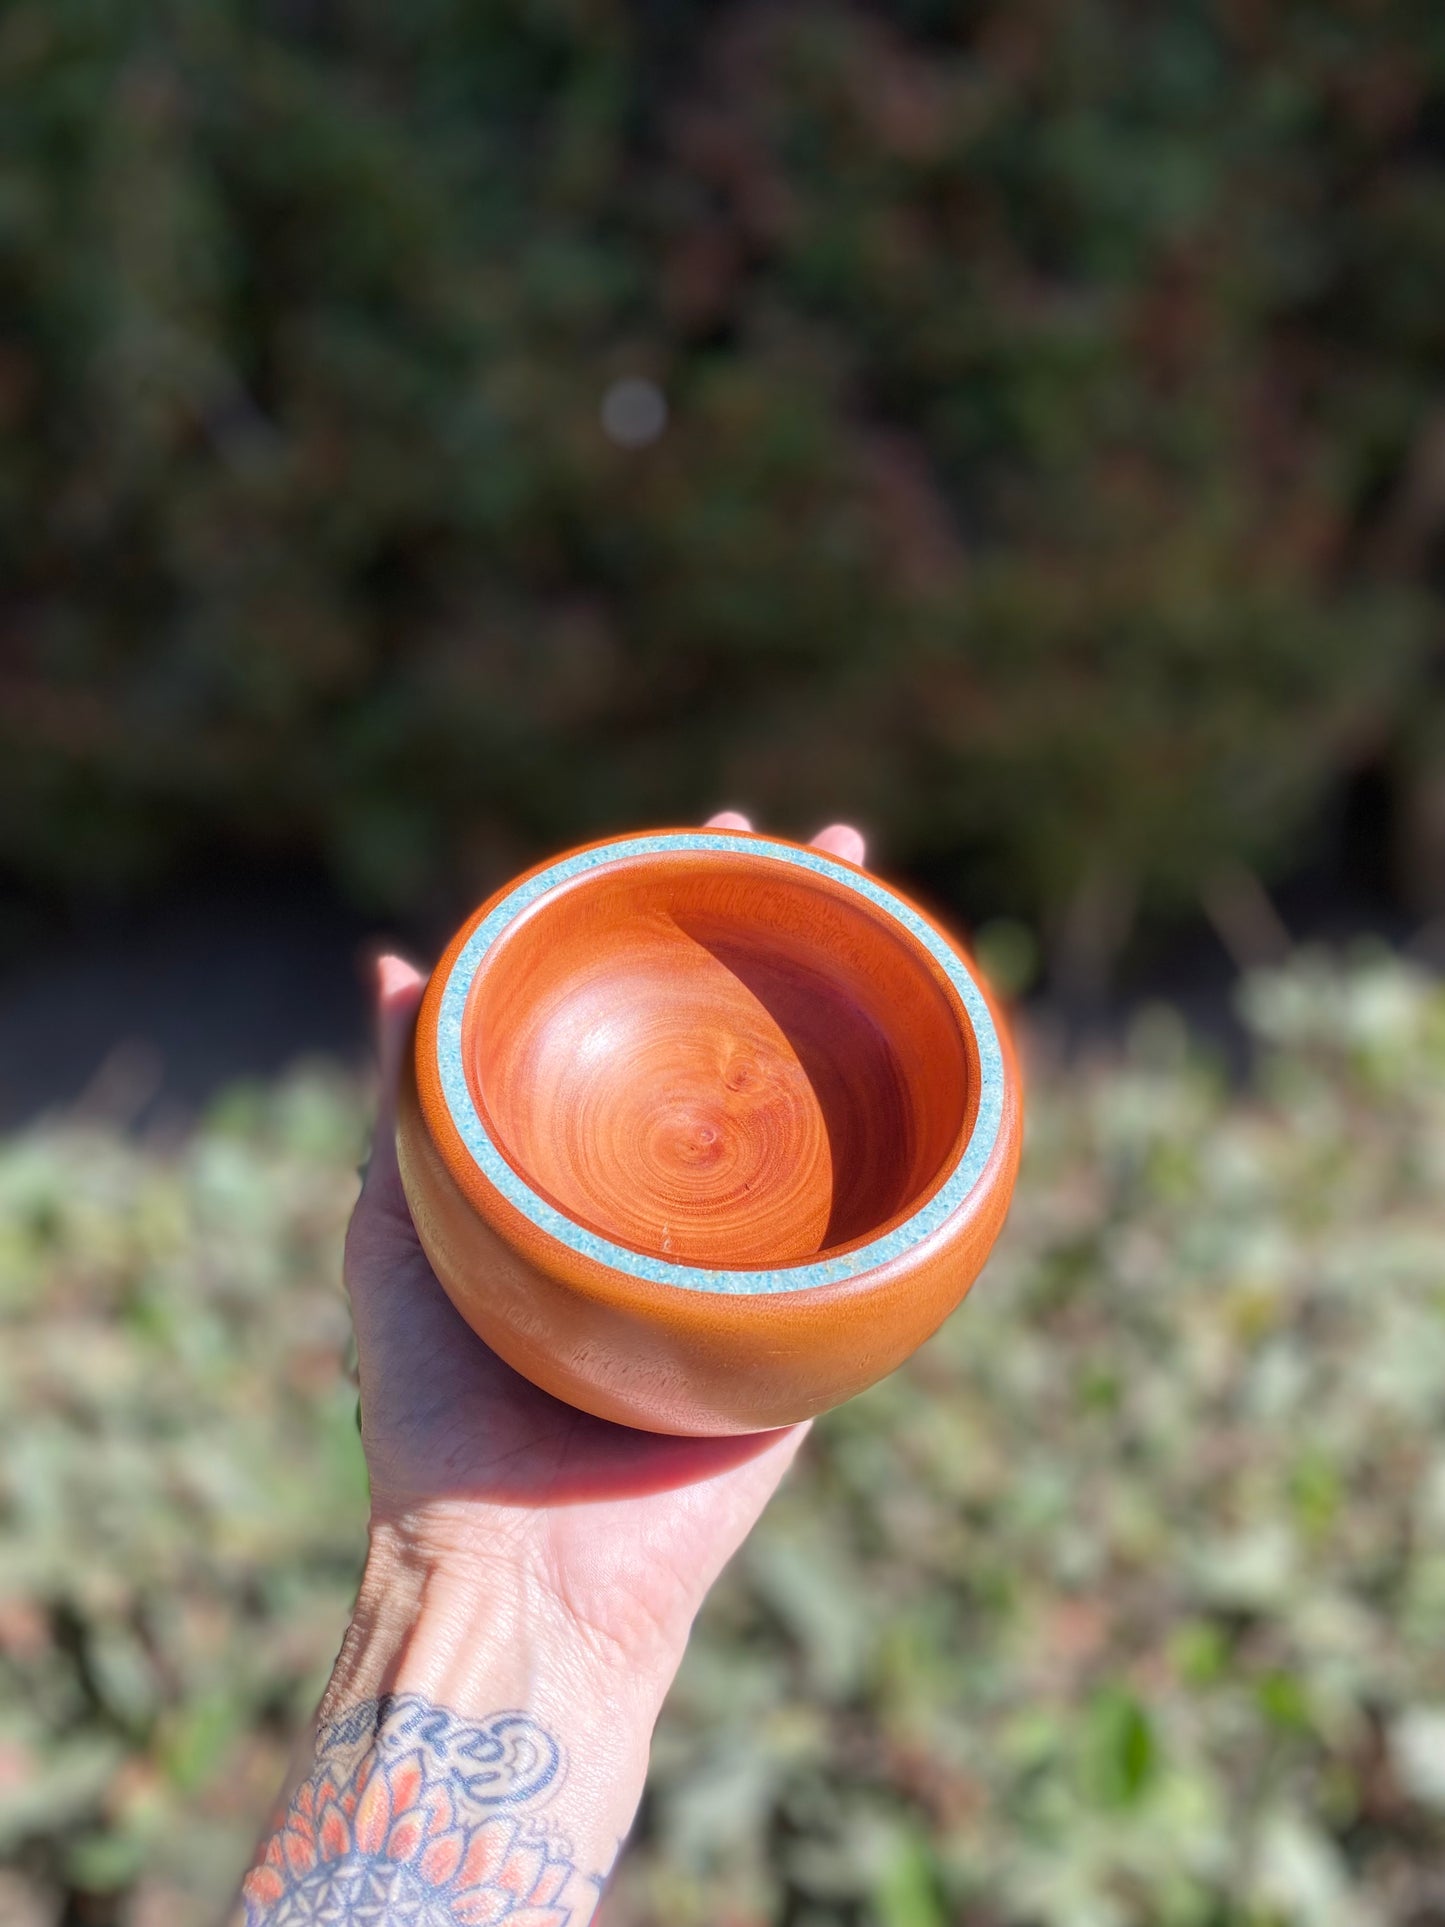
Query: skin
{"points": [[524, 1558]]}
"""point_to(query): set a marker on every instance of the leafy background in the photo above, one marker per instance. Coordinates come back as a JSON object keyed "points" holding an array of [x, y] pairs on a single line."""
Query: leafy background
{"points": [[1122, 1603], [1052, 479]]}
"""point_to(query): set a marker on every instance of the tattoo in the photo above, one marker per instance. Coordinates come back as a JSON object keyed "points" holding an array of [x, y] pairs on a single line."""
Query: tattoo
{"points": [[415, 1817]]}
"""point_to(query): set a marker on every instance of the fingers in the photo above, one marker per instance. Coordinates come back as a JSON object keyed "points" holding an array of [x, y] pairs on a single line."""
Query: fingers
{"points": [[841, 839], [398, 988], [398, 992]]}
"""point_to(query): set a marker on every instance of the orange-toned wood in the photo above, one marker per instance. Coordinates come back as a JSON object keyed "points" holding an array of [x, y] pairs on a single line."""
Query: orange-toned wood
{"points": [[714, 1060]]}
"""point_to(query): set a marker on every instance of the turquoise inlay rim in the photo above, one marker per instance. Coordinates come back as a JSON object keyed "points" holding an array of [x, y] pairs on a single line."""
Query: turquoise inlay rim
{"points": [[801, 1277]]}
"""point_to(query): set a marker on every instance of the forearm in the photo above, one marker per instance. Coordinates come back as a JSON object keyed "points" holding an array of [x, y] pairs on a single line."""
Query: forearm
{"points": [[478, 1757]]}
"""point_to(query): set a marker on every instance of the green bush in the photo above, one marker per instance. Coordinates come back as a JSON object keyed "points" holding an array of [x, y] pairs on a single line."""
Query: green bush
{"points": [[1119, 1607], [182, 1496], [1048, 479]]}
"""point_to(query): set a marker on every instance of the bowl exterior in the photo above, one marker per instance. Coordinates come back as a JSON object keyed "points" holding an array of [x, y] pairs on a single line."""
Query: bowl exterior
{"points": [[659, 1356]]}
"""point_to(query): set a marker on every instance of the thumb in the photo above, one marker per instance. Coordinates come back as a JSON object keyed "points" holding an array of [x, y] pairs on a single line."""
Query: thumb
{"points": [[397, 992]]}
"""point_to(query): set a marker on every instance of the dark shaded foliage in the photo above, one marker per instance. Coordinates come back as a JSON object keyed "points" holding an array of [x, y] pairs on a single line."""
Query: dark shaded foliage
{"points": [[1051, 478]]}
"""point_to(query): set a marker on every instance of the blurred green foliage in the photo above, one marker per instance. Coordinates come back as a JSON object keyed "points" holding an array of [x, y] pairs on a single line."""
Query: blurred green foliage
{"points": [[182, 1495], [1120, 1606], [1052, 477]]}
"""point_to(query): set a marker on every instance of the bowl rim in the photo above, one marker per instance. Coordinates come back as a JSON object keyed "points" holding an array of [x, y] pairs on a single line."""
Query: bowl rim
{"points": [[447, 1009]]}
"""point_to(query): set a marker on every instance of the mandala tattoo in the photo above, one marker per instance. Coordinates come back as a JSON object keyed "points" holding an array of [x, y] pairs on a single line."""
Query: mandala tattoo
{"points": [[415, 1817]]}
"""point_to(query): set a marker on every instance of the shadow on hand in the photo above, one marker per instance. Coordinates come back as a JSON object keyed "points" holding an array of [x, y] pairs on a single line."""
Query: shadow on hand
{"points": [[455, 1421]]}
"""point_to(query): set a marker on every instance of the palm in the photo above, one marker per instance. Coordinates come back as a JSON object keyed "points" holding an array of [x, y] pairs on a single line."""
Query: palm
{"points": [[619, 1522]]}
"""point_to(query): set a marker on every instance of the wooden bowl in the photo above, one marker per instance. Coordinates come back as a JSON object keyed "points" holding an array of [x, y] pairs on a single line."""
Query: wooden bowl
{"points": [[705, 1131]]}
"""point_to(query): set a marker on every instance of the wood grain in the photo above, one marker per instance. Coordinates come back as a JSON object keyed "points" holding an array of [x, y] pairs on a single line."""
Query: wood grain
{"points": [[727, 1068], [712, 1060]]}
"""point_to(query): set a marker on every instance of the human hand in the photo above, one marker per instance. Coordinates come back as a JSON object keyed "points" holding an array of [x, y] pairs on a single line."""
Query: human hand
{"points": [[522, 1553]]}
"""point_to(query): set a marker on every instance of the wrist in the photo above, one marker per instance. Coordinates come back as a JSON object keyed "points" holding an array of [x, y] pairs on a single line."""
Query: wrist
{"points": [[474, 1749], [450, 1627], [450, 1606]]}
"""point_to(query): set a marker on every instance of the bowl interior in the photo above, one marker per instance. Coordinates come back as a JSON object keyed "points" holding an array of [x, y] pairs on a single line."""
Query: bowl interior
{"points": [[719, 1060]]}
